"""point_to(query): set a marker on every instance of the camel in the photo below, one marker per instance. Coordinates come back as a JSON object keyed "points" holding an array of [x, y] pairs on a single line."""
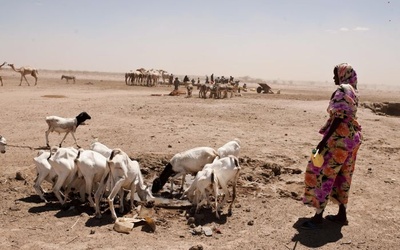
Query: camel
{"points": [[142, 75], [1, 79], [152, 77], [164, 75], [25, 71], [129, 77]]}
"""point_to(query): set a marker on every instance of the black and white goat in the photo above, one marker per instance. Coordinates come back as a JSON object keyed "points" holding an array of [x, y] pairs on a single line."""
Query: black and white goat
{"points": [[65, 125], [188, 162]]}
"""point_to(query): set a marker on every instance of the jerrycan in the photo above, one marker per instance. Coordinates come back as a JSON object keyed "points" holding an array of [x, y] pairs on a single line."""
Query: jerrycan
{"points": [[317, 158]]}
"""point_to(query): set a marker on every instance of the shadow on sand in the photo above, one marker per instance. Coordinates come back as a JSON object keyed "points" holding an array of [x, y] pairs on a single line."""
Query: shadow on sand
{"points": [[326, 232]]}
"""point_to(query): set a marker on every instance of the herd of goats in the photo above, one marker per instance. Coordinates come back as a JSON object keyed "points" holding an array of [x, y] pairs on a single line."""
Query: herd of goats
{"points": [[105, 172]]}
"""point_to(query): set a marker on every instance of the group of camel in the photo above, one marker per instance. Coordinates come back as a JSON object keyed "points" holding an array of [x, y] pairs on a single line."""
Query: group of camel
{"points": [[149, 77], [23, 71]]}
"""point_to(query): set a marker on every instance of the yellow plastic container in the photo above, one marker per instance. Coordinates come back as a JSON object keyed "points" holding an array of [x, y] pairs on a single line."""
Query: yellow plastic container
{"points": [[317, 159]]}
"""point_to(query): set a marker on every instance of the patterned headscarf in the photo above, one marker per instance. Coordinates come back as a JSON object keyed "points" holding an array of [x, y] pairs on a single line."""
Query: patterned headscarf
{"points": [[347, 74]]}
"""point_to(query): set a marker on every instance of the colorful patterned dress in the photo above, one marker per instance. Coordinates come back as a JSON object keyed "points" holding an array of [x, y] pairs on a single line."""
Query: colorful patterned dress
{"points": [[333, 179]]}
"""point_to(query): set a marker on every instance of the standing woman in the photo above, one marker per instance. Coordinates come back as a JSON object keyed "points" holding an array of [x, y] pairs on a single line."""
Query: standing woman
{"points": [[339, 145]]}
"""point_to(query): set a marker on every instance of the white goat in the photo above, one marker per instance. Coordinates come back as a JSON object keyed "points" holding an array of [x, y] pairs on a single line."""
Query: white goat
{"points": [[92, 166], [215, 175], [230, 148], [106, 152], [200, 188], [65, 125], [188, 162], [44, 171], [63, 164], [101, 148], [126, 175], [3, 144]]}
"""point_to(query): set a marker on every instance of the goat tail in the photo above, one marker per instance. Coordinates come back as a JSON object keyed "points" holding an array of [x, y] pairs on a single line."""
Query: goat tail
{"points": [[76, 161], [215, 187], [114, 152], [237, 162], [78, 155], [51, 151], [107, 177]]}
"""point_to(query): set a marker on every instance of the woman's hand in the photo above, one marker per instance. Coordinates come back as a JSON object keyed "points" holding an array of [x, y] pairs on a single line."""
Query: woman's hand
{"points": [[321, 145], [334, 125]]}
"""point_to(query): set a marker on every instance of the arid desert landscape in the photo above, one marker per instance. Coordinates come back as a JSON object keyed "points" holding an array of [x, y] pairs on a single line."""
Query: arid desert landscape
{"points": [[277, 133]]}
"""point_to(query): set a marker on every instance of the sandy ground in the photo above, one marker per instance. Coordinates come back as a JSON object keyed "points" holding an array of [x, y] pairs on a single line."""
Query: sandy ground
{"points": [[277, 134]]}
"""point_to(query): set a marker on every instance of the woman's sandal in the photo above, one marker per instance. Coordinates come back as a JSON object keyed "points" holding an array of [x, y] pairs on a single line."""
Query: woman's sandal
{"points": [[334, 218]]}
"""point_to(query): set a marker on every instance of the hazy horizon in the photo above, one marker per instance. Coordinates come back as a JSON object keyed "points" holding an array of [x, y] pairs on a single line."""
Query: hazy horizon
{"points": [[283, 40]]}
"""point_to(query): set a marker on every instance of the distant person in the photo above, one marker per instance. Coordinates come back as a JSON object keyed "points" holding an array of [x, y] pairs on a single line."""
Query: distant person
{"points": [[186, 79], [339, 145], [189, 87], [170, 79], [244, 87], [176, 83], [207, 81], [212, 77], [198, 80]]}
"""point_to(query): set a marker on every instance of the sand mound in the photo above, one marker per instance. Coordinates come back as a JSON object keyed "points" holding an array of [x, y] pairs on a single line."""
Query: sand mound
{"points": [[384, 108]]}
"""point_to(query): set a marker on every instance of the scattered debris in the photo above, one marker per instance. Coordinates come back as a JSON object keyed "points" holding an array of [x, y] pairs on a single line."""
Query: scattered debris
{"points": [[20, 176], [207, 231], [126, 225], [196, 231], [75, 223], [198, 247]]}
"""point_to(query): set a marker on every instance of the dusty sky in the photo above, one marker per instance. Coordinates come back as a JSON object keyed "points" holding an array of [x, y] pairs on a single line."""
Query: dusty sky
{"points": [[269, 39]]}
